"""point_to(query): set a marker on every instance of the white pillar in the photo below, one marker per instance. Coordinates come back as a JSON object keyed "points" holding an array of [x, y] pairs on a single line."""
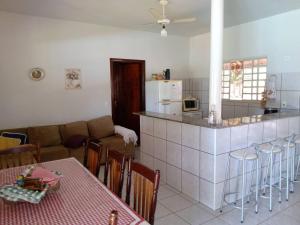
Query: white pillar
{"points": [[216, 57]]}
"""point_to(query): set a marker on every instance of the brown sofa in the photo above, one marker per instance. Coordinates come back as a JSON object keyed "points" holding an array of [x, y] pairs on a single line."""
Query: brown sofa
{"points": [[53, 139]]}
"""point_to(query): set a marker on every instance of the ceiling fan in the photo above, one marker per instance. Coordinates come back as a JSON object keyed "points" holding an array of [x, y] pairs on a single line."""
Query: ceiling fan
{"points": [[163, 20]]}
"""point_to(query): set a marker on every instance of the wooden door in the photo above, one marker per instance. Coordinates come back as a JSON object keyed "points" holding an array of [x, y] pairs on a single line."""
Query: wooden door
{"points": [[128, 92]]}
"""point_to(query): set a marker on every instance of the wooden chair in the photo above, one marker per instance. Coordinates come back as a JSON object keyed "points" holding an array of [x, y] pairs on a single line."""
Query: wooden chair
{"points": [[19, 156], [115, 167], [92, 156], [145, 187], [113, 218]]}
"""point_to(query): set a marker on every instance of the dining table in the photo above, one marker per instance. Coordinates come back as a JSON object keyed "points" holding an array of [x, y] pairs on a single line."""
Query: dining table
{"points": [[81, 199]]}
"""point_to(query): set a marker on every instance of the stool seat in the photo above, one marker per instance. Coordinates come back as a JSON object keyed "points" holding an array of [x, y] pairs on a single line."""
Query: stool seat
{"points": [[297, 140], [267, 148], [244, 154], [284, 143]]}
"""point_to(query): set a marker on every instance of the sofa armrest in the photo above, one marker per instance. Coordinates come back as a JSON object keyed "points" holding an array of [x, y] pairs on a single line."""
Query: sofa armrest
{"points": [[127, 134]]}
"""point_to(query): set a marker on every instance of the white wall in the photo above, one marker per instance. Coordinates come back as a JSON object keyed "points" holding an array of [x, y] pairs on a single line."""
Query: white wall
{"points": [[276, 37], [54, 45]]}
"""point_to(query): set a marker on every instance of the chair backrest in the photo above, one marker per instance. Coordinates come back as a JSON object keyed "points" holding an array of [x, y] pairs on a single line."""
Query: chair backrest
{"points": [[145, 186], [113, 218], [19, 156], [115, 167], [92, 157]]}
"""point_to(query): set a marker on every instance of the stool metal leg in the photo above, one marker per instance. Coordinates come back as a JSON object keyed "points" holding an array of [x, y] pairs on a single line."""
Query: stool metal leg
{"points": [[297, 169], [280, 176], [271, 181], [298, 161], [287, 173], [227, 179], [292, 171], [243, 191], [256, 185]]}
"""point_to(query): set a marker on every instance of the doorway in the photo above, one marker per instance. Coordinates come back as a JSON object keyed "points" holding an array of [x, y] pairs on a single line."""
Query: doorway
{"points": [[127, 92]]}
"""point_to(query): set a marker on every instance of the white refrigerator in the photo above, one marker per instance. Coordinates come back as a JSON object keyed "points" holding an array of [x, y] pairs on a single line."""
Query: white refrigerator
{"points": [[164, 96]]}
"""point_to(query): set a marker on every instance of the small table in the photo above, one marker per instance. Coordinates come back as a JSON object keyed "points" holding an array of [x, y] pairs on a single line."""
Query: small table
{"points": [[81, 199]]}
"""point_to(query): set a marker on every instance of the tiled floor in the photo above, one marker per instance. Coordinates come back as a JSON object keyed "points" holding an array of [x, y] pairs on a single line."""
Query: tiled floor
{"points": [[174, 208]]}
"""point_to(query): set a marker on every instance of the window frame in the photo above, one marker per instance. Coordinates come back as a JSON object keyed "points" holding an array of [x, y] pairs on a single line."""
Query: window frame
{"points": [[254, 96]]}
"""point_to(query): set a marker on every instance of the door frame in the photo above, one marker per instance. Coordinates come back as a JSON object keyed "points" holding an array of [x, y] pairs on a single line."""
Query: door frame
{"points": [[113, 79]]}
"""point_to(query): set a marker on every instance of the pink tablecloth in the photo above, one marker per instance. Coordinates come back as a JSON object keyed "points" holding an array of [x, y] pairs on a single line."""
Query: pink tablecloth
{"points": [[81, 199]]}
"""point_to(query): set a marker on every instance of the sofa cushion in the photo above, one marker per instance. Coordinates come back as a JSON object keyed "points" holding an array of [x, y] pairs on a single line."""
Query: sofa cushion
{"points": [[75, 141], [72, 129], [45, 135], [101, 127], [53, 153]]}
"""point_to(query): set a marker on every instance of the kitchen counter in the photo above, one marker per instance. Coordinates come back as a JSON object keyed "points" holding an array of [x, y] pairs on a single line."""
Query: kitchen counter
{"points": [[192, 155], [203, 122]]}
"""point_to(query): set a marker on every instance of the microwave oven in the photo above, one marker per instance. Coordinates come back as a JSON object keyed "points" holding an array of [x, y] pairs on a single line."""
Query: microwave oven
{"points": [[190, 104]]}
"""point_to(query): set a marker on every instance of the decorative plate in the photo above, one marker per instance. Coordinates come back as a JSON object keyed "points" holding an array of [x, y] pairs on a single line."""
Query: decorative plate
{"points": [[37, 74]]}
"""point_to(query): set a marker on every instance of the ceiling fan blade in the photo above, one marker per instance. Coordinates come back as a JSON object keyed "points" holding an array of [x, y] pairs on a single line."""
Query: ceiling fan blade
{"points": [[148, 24], [185, 20], [156, 15]]}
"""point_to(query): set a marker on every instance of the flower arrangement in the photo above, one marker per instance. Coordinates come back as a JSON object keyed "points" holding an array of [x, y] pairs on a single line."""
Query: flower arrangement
{"points": [[265, 97]]}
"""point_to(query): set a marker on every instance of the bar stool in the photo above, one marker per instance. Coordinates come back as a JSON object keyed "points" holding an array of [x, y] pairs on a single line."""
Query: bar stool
{"points": [[288, 144], [270, 149], [245, 156], [297, 143]]}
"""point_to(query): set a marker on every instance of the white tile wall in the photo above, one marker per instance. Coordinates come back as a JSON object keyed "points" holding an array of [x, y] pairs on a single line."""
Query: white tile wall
{"points": [[162, 167], [291, 98], [282, 128], [207, 193], [196, 85], [221, 166], [255, 133], [206, 166], [147, 160], [174, 177], [269, 131], [190, 160], [205, 85], [190, 185], [294, 125], [160, 149], [174, 132], [147, 144], [147, 125], [197, 166], [223, 140], [160, 128], [207, 141], [174, 154], [191, 136], [288, 91], [239, 136]]}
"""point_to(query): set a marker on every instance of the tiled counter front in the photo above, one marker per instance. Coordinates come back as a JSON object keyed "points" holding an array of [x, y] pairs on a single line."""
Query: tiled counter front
{"points": [[193, 159]]}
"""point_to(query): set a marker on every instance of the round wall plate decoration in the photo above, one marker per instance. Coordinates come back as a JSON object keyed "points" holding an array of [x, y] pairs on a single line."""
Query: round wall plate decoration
{"points": [[37, 74]]}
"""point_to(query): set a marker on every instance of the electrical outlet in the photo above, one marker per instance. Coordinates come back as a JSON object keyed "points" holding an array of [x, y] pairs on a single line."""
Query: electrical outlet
{"points": [[283, 105]]}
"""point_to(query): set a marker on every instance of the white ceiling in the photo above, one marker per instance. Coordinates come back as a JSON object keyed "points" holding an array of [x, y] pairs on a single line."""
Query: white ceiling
{"points": [[133, 13]]}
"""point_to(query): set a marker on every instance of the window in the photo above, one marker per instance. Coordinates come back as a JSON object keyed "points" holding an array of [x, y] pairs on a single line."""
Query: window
{"points": [[244, 80]]}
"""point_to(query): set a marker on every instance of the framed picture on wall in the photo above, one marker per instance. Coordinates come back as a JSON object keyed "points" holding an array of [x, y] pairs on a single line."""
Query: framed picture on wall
{"points": [[73, 78]]}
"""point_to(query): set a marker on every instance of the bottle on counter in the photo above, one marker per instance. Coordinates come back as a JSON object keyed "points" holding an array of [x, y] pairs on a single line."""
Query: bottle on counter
{"points": [[212, 115]]}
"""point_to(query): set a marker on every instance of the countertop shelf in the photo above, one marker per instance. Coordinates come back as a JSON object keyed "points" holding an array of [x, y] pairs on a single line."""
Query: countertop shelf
{"points": [[198, 120]]}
